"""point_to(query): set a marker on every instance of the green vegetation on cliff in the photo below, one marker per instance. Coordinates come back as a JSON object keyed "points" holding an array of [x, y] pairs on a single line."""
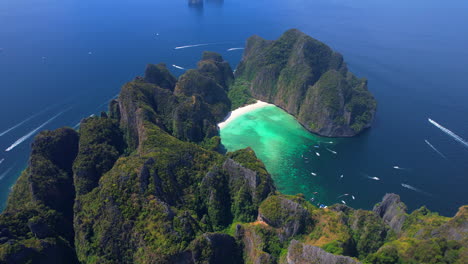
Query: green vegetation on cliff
{"points": [[307, 79], [146, 184]]}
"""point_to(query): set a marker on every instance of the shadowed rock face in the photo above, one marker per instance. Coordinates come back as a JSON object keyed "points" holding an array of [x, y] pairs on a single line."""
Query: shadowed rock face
{"points": [[299, 253], [289, 216], [456, 228], [310, 81], [392, 211], [38, 221], [188, 108], [160, 75]]}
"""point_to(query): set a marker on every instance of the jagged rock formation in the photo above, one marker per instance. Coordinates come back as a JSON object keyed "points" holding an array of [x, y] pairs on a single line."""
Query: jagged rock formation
{"points": [[188, 108], [310, 81], [38, 221], [299, 253], [392, 211], [144, 184]]}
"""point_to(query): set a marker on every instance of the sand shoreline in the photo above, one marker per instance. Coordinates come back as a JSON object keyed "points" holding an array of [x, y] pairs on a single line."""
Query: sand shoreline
{"points": [[240, 111]]}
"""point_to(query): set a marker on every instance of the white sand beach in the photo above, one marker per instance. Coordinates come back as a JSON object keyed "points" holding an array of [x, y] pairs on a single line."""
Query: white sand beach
{"points": [[240, 111]]}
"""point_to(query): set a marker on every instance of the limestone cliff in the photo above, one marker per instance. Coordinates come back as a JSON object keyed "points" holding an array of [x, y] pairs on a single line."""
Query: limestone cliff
{"points": [[310, 81], [145, 184]]}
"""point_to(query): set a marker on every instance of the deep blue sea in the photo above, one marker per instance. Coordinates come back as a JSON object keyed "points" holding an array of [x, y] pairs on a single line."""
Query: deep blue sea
{"points": [[64, 60]]}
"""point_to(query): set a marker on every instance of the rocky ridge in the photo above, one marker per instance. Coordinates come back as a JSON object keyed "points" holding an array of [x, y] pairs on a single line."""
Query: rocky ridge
{"points": [[145, 184]]}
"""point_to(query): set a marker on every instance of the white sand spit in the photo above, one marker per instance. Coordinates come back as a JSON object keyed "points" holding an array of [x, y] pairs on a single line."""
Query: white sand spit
{"points": [[241, 111]]}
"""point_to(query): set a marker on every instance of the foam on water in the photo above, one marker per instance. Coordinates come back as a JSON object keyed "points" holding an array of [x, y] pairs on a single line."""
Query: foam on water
{"points": [[434, 148], [5, 173], [178, 67], [232, 49], [33, 132], [24, 121], [407, 186], [192, 46], [448, 132]]}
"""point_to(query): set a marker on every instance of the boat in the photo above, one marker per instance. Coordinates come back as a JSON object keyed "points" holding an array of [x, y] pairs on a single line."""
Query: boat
{"points": [[313, 174], [318, 154]]}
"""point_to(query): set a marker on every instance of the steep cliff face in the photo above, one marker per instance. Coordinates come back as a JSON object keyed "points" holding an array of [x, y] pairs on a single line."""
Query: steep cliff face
{"points": [[392, 211], [144, 185], [310, 81], [299, 253], [188, 108], [37, 223]]}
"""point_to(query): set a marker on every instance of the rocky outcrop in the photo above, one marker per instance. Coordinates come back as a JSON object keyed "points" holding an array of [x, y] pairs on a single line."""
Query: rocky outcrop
{"points": [[300, 253], [254, 245], [215, 248], [38, 221], [101, 144], [456, 228], [310, 81], [392, 211], [188, 108], [160, 76], [285, 214]]}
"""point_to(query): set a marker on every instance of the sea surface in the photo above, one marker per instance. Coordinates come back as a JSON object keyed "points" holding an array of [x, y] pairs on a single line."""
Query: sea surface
{"points": [[61, 61]]}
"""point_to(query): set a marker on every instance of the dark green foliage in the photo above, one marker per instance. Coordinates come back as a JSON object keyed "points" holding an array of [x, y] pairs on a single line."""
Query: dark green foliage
{"points": [[271, 243], [307, 79], [334, 247], [37, 222], [215, 189], [369, 232], [245, 201], [239, 94], [386, 255], [101, 143], [243, 208], [190, 112], [247, 158], [160, 75], [212, 65]]}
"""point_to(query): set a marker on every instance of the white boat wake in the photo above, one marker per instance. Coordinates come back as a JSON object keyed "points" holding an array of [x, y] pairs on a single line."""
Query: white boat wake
{"points": [[372, 178], [346, 194], [178, 67], [5, 173], [434, 148], [24, 121], [448, 132], [34, 131], [332, 151], [231, 49], [407, 186], [2, 160], [191, 46]]}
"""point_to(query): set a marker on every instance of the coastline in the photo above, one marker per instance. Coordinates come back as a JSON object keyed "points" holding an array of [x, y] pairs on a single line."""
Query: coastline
{"points": [[240, 111]]}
